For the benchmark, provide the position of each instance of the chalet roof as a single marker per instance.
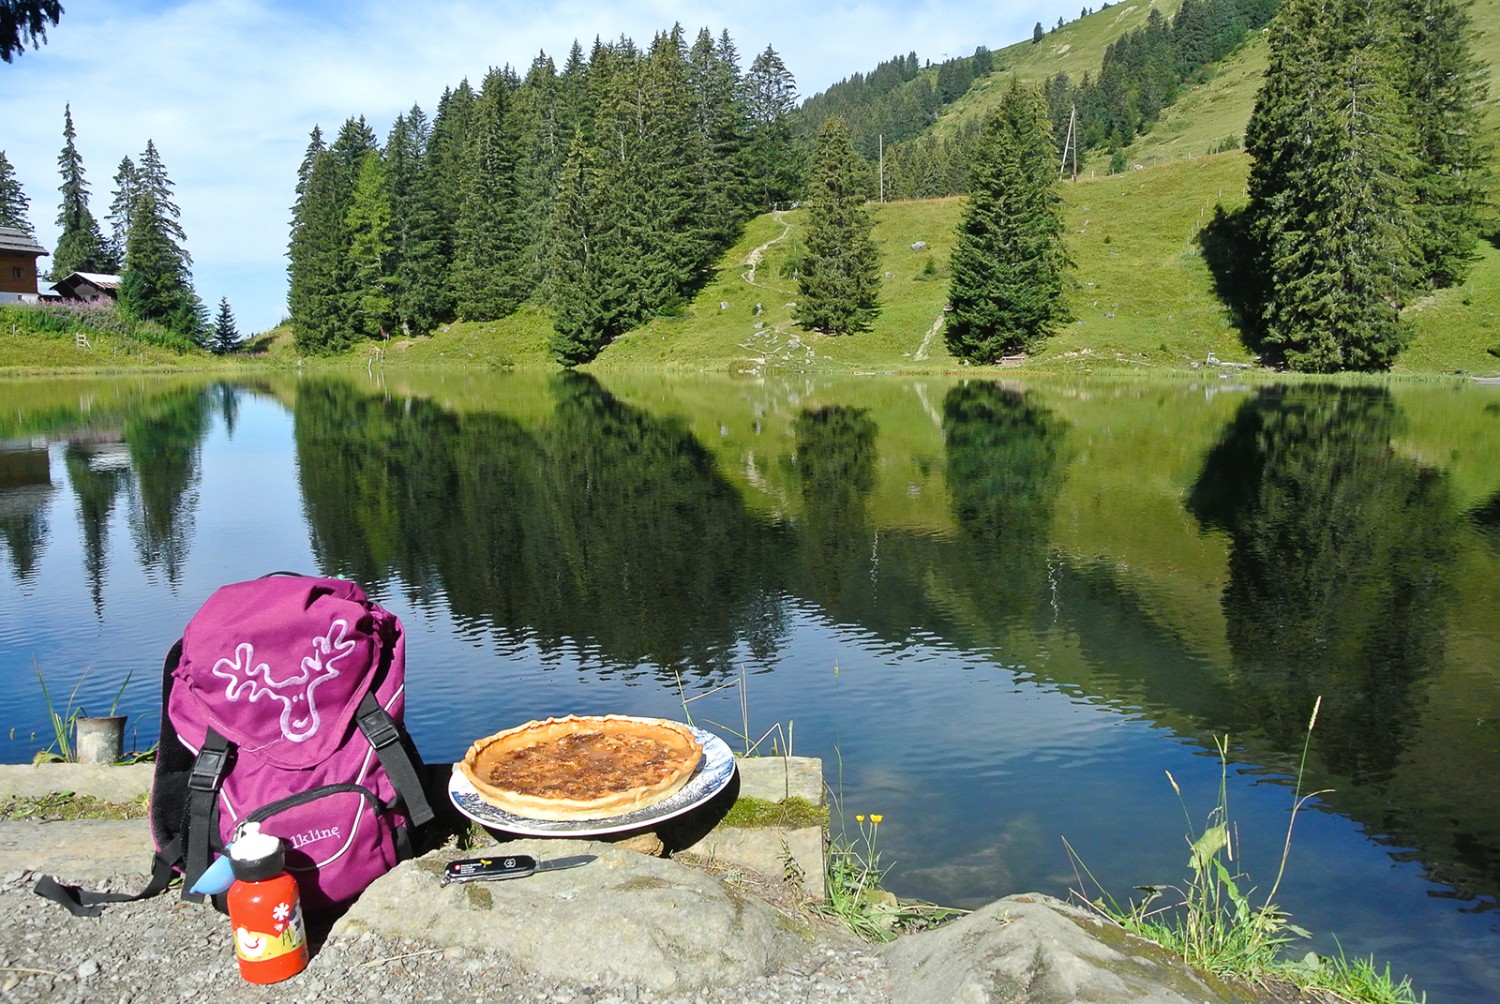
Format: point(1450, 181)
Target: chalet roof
point(13, 239)
point(101, 279)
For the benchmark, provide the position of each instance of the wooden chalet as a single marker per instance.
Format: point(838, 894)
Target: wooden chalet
point(18, 255)
point(90, 287)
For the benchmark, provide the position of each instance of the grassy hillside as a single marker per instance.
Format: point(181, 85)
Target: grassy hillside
point(1202, 117)
point(1142, 295)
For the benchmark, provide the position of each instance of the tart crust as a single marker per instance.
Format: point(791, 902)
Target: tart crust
point(582, 767)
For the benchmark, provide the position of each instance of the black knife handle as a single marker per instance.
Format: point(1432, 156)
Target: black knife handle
point(500, 866)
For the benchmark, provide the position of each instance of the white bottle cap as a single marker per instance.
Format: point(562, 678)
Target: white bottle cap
point(252, 845)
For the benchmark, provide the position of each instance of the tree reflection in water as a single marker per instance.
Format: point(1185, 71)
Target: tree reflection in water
point(1341, 551)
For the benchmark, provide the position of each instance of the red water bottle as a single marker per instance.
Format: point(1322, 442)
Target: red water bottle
point(265, 909)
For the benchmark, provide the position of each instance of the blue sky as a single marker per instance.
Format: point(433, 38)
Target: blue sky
point(230, 89)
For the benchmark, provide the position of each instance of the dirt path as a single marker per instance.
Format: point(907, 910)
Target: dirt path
point(937, 326)
point(754, 257)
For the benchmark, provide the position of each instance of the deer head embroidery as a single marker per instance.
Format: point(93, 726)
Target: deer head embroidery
point(299, 709)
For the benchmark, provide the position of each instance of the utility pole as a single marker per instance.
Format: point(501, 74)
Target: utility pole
point(1070, 145)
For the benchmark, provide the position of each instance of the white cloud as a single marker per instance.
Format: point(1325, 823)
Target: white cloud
point(229, 90)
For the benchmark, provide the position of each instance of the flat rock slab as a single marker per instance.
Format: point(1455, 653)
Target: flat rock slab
point(1043, 951)
point(622, 918)
point(77, 851)
point(774, 778)
point(105, 782)
point(772, 851)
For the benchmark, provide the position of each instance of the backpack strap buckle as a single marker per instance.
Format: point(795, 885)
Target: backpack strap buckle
point(380, 729)
point(208, 769)
point(385, 735)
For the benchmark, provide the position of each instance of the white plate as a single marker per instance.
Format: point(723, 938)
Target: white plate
point(710, 777)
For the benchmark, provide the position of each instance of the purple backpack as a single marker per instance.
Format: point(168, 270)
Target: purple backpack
point(282, 704)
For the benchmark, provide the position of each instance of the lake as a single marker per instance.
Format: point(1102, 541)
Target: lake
point(1006, 614)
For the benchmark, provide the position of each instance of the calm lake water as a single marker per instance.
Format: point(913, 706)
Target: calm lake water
point(1004, 614)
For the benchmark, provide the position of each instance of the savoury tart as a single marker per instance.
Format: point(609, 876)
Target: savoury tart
point(582, 767)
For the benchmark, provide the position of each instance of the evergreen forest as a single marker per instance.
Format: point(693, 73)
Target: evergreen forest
point(604, 189)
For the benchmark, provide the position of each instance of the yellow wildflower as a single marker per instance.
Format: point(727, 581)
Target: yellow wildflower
point(876, 817)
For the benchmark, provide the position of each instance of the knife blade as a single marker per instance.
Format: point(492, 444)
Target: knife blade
point(507, 866)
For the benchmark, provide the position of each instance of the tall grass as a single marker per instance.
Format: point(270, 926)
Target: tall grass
point(65, 719)
point(1215, 921)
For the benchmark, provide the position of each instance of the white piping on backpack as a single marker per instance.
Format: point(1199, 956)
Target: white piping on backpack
point(242, 671)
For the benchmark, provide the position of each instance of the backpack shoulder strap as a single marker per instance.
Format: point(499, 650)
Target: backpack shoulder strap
point(399, 761)
point(201, 823)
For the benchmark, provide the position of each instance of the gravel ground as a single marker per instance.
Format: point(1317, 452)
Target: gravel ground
point(163, 949)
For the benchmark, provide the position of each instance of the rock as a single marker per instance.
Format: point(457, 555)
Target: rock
point(1043, 951)
point(775, 778)
point(649, 844)
point(772, 852)
point(103, 781)
point(625, 917)
point(919, 246)
point(83, 850)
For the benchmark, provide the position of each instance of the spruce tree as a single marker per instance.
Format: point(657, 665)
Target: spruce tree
point(718, 140)
point(1331, 201)
point(156, 281)
point(322, 294)
point(25, 20)
point(122, 208)
point(305, 251)
point(15, 207)
point(669, 226)
point(419, 282)
point(80, 246)
point(1445, 88)
point(770, 149)
point(1009, 259)
point(542, 130)
point(151, 178)
point(156, 284)
point(371, 308)
point(487, 276)
point(442, 188)
point(839, 282)
point(226, 337)
point(590, 302)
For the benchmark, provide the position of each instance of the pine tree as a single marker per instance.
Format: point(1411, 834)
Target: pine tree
point(151, 178)
point(80, 246)
point(15, 207)
point(226, 337)
point(840, 278)
point(25, 20)
point(590, 301)
point(669, 227)
point(1008, 261)
point(771, 153)
point(441, 190)
point(419, 283)
point(487, 278)
point(371, 308)
point(122, 208)
point(1331, 202)
point(322, 295)
point(156, 285)
point(1445, 87)
point(156, 281)
point(306, 252)
point(718, 138)
point(542, 130)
